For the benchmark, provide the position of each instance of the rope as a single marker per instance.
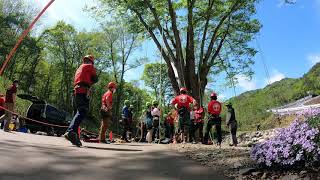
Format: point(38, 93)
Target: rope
point(47, 124)
point(24, 34)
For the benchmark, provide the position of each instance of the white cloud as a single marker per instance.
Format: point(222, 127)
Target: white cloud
point(313, 59)
point(70, 11)
point(275, 76)
point(245, 83)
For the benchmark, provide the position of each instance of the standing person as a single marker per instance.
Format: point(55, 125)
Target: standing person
point(84, 78)
point(10, 104)
point(156, 113)
point(232, 124)
point(169, 124)
point(106, 111)
point(125, 120)
point(192, 125)
point(198, 123)
point(214, 110)
point(2, 112)
point(149, 122)
point(130, 122)
point(182, 103)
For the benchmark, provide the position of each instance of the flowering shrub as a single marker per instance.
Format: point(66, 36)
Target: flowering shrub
point(298, 143)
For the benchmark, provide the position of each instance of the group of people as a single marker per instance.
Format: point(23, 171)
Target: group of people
point(180, 124)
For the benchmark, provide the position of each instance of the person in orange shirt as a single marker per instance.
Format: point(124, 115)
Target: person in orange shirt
point(214, 110)
point(106, 111)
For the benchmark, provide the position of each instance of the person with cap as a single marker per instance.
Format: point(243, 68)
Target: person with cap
point(232, 124)
point(148, 122)
point(125, 120)
point(214, 110)
point(84, 78)
point(106, 111)
point(156, 113)
point(10, 104)
point(182, 103)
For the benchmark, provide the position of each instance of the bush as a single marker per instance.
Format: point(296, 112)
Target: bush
point(295, 145)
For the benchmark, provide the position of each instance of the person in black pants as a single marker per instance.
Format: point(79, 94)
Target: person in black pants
point(214, 110)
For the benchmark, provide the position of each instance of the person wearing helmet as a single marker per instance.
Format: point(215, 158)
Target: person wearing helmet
point(232, 124)
point(10, 104)
point(182, 103)
point(214, 110)
point(156, 113)
point(106, 111)
point(84, 78)
point(148, 122)
point(125, 120)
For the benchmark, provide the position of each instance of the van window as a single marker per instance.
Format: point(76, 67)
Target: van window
point(36, 111)
point(54, 114)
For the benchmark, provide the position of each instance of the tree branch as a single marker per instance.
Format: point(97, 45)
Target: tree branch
point(214, 37)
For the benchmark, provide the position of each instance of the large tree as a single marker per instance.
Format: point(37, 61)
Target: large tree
point(193, 36)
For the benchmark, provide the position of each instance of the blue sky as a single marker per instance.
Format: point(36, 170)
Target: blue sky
point(289, 39)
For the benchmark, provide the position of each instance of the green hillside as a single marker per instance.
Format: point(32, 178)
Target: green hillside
point(251, 106)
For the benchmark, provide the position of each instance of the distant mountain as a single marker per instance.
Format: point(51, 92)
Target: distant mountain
point(251, 106)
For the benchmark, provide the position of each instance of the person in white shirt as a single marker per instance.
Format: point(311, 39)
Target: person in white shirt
point(156, 113)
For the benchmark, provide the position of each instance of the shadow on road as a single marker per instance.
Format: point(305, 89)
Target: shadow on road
point(111, 149)
point(21, 160)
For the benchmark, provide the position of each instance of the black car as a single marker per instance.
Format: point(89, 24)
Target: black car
point(41, 111)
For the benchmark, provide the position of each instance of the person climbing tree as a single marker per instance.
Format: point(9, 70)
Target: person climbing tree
point(125, 120)
point(182, 103)
point(198, 123)
point(156, 113)
point(10, 104)
point(106, 111)
point(84, 78)
point(214, 110)
point(232, 124)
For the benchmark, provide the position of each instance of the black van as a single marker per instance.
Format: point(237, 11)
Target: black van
point(40, 110)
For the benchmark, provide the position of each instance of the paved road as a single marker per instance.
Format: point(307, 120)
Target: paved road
point(26, 156)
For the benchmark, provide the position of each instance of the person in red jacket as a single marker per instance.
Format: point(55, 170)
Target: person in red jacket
point(10, 104)
point(214, 110)
point(198, 123)
point(182, 103)
point(106, 111)
point(84, 78)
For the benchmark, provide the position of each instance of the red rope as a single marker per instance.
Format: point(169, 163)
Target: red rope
point(24, 34)
point(48, 124)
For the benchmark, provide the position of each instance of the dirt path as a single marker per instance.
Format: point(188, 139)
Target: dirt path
point(26, 156)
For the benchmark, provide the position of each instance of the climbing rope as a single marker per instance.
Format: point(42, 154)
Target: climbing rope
point(23, 35)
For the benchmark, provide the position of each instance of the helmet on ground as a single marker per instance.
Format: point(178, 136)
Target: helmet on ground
point(213, 94)
point(183, 90)
point(127, 102)
point(112, 85)
point(155, 102)
point(88, 57)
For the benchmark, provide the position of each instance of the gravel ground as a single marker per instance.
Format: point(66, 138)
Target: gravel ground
point(236, 163)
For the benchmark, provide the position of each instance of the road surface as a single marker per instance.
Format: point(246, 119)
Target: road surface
point(35, 157)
